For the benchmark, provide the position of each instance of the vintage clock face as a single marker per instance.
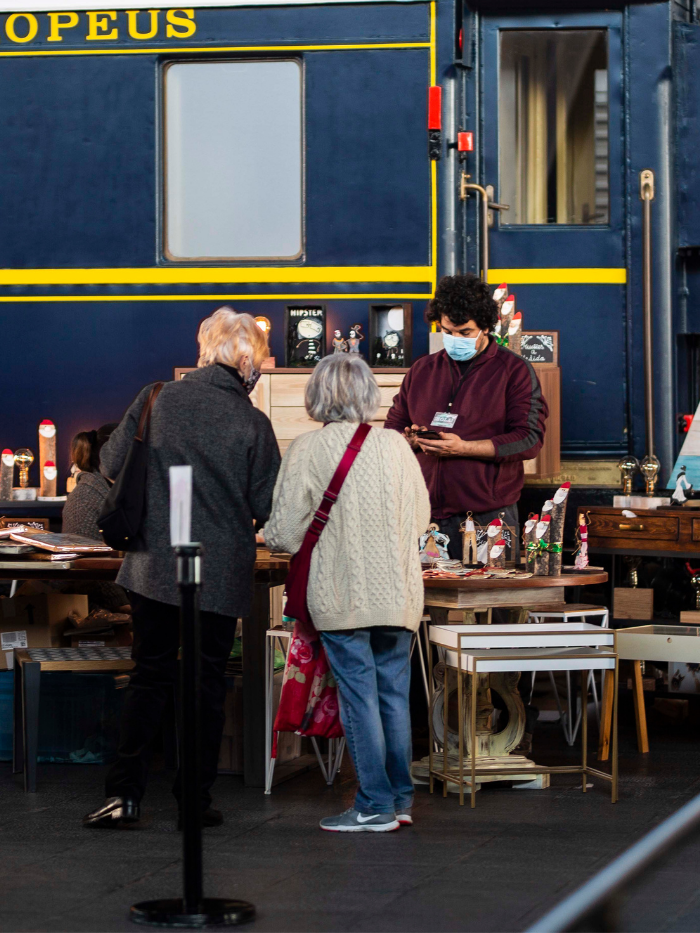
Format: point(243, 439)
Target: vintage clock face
point(391, 340)
point(308, 329)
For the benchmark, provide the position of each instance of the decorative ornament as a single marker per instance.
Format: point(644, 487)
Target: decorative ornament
point(7, 469)
point(47, 454)
point(340, 344)
point(433, 545)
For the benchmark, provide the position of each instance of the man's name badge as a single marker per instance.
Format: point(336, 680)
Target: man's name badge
point(443, 419)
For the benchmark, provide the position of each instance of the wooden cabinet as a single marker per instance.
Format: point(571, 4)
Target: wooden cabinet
point(280, 394)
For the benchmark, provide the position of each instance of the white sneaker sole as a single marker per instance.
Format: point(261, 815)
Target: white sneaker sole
point(366, 828)
point(405, 820)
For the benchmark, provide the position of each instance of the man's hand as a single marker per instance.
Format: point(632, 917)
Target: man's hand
point(450, 445)
point(410, 435)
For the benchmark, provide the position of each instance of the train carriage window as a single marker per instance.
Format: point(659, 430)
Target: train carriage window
point(233, 160)
point(553, 126)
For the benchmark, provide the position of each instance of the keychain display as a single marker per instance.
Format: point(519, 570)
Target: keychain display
point(432, 546)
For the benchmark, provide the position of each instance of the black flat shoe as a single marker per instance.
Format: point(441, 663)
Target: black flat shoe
point(210, 817)
point(116, 811)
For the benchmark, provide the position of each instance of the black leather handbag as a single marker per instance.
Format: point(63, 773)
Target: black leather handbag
point(125, 506)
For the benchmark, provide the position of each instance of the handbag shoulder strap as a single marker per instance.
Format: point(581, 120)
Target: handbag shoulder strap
point(322, 514)
point(145, 419)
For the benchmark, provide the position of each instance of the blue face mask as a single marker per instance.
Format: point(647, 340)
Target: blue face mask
point(459, 348)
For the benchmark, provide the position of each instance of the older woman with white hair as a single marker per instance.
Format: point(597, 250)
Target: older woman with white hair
point(365, 591)
point(205, 420)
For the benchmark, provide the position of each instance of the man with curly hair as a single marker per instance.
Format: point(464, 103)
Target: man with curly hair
point(483, 400)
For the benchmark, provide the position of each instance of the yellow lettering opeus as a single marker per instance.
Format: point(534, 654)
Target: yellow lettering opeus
point(32, 27)
point(132, 17)
point(186, 20)
point(58, 22)
point(98, 24)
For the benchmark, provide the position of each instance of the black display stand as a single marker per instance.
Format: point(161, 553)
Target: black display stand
point(192, 909)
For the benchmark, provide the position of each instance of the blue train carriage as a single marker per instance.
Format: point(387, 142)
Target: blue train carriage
point(157, 163)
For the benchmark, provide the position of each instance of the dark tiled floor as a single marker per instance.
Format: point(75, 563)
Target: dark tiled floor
point(496, 868)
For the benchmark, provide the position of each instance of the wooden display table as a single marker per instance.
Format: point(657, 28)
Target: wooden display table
point(270, 571)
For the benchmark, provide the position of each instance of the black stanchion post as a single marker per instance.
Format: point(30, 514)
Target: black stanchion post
point(193, 909)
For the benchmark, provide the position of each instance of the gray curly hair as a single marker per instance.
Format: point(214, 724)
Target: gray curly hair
point(342, 388)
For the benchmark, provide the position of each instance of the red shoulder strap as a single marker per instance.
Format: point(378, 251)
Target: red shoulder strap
point(318, 522)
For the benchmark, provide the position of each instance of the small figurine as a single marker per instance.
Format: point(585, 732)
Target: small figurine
point(679, 497)
point(47, 455)
point(433, 545)
point(340, 344)
point(7, 469)
point(355, 335)
point(581, 561)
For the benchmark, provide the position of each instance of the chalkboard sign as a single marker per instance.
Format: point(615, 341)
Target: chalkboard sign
point(540, 346)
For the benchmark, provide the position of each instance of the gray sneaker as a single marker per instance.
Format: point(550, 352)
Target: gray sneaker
point(404, 816)
point(352, 821)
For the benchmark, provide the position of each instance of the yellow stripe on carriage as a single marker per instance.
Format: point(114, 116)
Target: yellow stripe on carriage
point(197, 275)
point(569, 276)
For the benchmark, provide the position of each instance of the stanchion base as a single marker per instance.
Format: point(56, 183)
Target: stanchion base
point(169, 912)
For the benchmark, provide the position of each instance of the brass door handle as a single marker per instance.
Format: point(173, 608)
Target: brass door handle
point(626, 526)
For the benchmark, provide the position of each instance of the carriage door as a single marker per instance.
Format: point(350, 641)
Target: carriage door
point(552, 147)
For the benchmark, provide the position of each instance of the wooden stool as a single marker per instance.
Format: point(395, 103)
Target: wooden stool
point(28, 666)
point(474, 650)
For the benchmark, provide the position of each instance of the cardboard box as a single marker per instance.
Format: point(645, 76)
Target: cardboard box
point(633, 603)
point(289, 745)
point(35, 622)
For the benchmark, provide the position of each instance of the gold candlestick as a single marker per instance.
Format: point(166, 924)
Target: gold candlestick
point(628, 466)
point(24, 459)
point(649, 468)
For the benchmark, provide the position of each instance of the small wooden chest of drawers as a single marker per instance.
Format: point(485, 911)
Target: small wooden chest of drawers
point(651, 530)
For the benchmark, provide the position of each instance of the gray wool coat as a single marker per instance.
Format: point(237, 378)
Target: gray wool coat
point(205, 420)
point(84, 505)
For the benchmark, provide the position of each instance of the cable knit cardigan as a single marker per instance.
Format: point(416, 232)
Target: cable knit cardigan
point(365, 569)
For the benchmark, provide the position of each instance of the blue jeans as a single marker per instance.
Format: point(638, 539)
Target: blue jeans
point(373, 671)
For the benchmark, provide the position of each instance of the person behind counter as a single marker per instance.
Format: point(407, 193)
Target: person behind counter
point(365, 591)
point(207, 421)
point(486, 404)
point(83, 506)
point(86, 501)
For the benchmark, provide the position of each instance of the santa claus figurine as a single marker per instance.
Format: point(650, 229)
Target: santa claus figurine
point(7, 468)
point(47, 458)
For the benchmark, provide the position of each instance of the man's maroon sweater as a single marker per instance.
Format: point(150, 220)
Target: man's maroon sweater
point(500, 400)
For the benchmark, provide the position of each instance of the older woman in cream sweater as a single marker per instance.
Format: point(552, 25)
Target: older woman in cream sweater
point(365, 590)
